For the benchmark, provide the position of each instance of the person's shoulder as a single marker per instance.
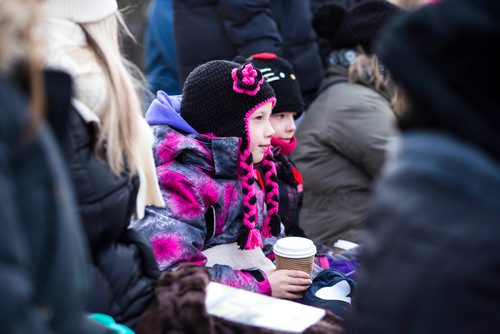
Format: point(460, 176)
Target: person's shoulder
point(360, 98)
point(344, 92)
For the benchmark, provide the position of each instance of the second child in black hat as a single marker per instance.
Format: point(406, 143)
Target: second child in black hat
point(217, 215)
point(280, 75)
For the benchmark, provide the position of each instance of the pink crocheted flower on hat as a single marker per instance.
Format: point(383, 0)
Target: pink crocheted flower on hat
point(246, 79)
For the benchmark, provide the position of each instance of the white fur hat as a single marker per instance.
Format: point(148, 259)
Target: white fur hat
point(80, 11)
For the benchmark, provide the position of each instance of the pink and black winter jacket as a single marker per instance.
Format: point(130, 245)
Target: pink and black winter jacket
point(204, 206)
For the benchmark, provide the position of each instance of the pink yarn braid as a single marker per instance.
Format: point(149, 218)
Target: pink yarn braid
point(272, 191)
point(246, 155)
point(250, 213)
point(247, 179)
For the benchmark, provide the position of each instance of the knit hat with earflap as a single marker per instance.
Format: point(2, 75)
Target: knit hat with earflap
point(218, 98)
point(356, 26)
point(279, 73)
point(80, 11)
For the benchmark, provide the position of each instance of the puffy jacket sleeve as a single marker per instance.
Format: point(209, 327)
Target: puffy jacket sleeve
point(250, 26)
point(363, 133)
point(178, 232)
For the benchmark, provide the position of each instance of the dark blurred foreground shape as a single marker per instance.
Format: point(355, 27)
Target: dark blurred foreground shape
point(432, 254)
point(43, 256)
point(43, 272)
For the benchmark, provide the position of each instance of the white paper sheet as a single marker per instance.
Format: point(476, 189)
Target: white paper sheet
point(257, 310)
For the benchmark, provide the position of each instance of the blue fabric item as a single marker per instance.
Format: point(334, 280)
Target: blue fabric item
point(326, 292)
point(165, 110)
point(348, 268)
point(161, 61)
point(109, 322)
point(347, 262)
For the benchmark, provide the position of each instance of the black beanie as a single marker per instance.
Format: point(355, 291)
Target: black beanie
point(218, 95)
point(280, 75)
point(357, 26)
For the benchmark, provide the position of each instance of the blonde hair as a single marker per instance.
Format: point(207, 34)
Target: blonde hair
point(119, 133)
point(366, 69)
point(18, 45)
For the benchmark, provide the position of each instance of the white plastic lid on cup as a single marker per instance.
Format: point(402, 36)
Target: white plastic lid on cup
point(344, 244)
point(294, 247)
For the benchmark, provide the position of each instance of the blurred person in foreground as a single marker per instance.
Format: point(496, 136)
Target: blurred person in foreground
point(432, 257)
point(350, 126)
point(43, 258)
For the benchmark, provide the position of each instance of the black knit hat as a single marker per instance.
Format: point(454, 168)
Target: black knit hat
point(279, 73)
point(357, 26)
point(217, 96)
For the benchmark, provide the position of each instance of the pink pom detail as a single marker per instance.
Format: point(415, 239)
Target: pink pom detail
point(248, 76)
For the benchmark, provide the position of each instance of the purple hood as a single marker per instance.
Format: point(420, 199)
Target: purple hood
point(165, 110)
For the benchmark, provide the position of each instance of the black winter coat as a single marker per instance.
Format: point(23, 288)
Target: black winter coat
point(43, 258)
point(206, 30)
point(124, 267)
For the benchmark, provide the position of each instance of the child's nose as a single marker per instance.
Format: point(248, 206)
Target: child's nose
point(270, 131)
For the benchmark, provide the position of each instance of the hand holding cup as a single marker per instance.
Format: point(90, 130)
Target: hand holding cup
point(294, 263)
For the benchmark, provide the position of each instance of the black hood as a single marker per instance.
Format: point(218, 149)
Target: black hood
point(447, 58)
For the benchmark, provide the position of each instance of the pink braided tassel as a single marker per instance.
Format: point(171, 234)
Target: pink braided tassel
point(254, 239)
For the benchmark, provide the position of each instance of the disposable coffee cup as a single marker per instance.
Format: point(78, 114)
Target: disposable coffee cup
point(342, 245)
point(295, 253)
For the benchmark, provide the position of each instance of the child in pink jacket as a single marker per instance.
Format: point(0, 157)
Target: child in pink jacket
point(216, 211)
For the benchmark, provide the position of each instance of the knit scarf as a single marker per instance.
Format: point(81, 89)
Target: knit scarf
point(286, 148)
